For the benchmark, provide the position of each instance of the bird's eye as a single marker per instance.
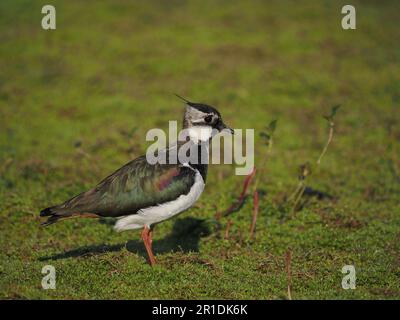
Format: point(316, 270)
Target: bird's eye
point(208, 118)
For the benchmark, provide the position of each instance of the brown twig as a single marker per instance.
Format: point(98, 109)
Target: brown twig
point(255, 214)
point(236, 206)
point(240, 235)
point(241, 198)
point(228, 226)
point(289, 273)
point(259, 178)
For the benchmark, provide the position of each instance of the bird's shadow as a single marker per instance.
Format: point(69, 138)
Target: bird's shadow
point(184, 237)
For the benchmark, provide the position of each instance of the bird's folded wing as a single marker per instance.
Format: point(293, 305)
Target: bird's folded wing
point(136, 185)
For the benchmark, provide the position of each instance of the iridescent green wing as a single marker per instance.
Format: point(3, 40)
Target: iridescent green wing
point(136, 185)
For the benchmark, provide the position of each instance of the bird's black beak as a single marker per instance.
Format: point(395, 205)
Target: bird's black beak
point(222, 126)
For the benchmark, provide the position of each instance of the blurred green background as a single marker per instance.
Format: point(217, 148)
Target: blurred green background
point(76, 103)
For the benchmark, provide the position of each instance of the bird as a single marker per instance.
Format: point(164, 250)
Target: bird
point(141, 194)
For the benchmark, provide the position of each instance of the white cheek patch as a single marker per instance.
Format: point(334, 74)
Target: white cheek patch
point(200, 133)
point(198, 121)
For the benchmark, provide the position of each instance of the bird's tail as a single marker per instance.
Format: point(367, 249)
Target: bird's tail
point(54, 214)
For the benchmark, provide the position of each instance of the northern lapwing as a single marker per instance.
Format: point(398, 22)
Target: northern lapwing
point(141, 194)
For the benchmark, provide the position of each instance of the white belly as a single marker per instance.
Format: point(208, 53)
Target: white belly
point(151, 215)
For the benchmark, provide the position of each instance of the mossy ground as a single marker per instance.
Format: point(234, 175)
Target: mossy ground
point(76, 103)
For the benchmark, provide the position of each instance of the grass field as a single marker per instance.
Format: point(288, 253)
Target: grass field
point(76, 103)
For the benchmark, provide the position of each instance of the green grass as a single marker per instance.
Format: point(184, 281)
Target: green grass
point(75, 104)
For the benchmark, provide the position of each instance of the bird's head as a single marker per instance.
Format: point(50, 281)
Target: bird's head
point(200, 119)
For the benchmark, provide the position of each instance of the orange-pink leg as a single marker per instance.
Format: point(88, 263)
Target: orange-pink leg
point(147, 240)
